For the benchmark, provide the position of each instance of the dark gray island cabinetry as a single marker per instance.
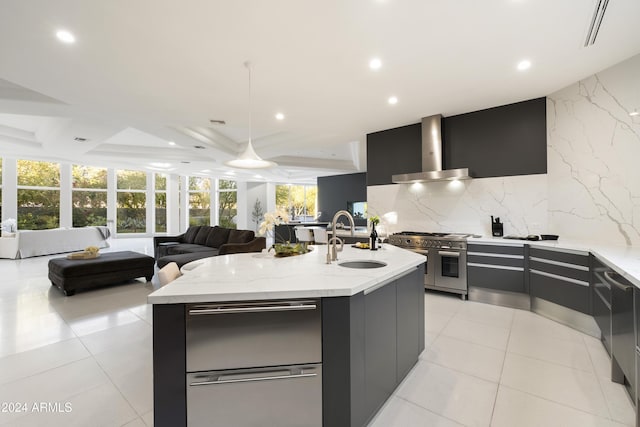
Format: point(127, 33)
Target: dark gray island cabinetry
point(307, 358)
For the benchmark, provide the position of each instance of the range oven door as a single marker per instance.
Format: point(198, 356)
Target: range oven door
point(429, 266)
point(451, 269)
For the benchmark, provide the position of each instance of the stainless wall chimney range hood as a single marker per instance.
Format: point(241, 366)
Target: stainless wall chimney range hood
point(431, 157)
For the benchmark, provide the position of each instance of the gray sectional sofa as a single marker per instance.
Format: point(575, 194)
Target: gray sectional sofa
point(203, 241)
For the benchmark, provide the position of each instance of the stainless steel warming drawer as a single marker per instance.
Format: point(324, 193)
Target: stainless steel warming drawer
point(246, 335)
point(279, 396)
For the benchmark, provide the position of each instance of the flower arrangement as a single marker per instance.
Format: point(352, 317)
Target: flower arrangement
point(281, 246)
point(375, 220)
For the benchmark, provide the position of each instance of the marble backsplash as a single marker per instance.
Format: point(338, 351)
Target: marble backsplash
point(591, 189)
point(593, 156)
point(463, 206)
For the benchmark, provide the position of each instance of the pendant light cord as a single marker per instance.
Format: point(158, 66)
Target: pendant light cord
point(248, 65)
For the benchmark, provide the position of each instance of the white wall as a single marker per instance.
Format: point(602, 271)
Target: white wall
point(591, 189)
point(255, 191)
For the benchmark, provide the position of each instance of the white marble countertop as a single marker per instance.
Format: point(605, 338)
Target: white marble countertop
point(625, 260)
point(261, 276)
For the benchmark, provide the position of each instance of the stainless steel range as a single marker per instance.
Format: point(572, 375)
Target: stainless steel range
point(446, 268)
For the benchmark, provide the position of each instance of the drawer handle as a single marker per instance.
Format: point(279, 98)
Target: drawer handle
point(555, 276)
point(228, 310)
point(247, 380)
point(610, 279)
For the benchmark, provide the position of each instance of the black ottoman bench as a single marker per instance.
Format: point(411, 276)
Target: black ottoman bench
point(70, 275)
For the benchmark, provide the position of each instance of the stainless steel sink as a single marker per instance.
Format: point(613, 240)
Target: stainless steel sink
point(362, 264)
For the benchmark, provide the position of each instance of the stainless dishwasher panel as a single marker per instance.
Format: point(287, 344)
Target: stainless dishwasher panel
point(282, 396)
point(245, 334)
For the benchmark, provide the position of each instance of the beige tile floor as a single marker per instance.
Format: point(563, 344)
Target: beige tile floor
point(483, 366)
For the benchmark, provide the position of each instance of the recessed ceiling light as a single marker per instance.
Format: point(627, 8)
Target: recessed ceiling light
point(524, 65)
point(65, 36)
point(375, 64)
point(280, 116)
point(172, 143)
point(160, 165)
point(634, 113)
point(392, 100)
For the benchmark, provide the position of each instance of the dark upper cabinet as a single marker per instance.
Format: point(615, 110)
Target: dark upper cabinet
point(501, 141)
point(393, 151)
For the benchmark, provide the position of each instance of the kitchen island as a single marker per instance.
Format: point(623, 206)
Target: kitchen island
point(251, 339)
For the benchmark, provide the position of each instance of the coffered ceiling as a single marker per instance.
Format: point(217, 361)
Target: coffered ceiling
point(145, 73)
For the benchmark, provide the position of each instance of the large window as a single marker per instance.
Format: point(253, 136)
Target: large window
point(199, 201)
point(89, 196)
point(131, 201)
point(227, 203)
point(38, 195)
point(297, 200)
point(161, 203)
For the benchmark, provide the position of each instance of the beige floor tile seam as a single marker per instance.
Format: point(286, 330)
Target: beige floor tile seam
point(591, 414)
point(428, 410)
point(504, 360)
point(46, 370)
point(119, 391)
point(600, 380)
point(592, 372)
point(458, 371)
point(471, 342)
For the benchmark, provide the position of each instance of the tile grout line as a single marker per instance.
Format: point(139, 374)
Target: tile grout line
point(495, 399)
point(427, 409)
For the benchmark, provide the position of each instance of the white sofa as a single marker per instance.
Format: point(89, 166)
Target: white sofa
point(31, 243)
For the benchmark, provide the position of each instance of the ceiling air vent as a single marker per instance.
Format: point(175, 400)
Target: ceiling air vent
point(199, 147)
point(80, 139)
point(217, 122)
point(596, 21)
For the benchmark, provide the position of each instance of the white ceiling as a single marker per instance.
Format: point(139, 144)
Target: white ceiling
point(146, 72)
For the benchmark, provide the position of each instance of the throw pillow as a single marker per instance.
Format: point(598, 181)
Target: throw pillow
point(191, 233)
point(241, 236)
point(217, 237)
point(201, 237)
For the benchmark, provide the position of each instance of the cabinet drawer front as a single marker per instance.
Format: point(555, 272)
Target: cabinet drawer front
point(506, 260)
point(565, 257)
point(496, 249)
point(492, 277)
point(244, 335)
point(560, 270)
point(558, 291)
point(282, 396)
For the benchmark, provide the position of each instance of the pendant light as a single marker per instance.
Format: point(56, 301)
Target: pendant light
point(248, 159)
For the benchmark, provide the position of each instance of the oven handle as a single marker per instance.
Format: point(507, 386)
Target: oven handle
point(447, 253)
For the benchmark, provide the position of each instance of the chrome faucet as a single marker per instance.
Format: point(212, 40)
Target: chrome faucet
point(332, 251)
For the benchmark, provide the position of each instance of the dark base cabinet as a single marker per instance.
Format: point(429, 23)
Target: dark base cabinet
point(364, 362)
point(623, 334)
point(560, 277)
point(601, 302)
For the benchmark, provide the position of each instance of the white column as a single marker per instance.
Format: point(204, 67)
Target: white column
point(184, 204)
point(9, 189)
point(112, 200)
point(173, 205)
point(66, 184)
point(241, 206)
point(151, 203)
point(215, 202)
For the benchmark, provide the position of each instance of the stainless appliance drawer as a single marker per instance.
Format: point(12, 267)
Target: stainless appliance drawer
point(280, 396)
point(245, 334)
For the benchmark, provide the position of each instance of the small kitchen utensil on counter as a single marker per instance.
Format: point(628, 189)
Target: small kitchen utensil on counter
point(496, 227)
